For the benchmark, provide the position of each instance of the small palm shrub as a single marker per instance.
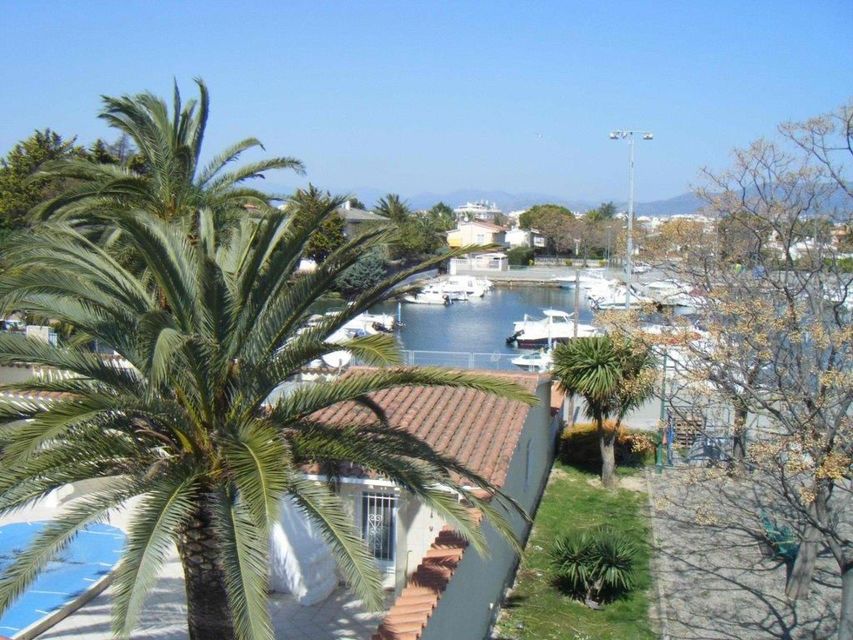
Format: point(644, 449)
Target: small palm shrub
point(595, 565)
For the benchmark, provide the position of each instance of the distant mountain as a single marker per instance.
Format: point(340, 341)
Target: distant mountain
point(507, 201)
point(684, 203)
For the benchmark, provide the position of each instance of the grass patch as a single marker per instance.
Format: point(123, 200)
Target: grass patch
point(537, 610)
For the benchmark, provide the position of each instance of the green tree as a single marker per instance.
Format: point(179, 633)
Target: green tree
point(392, 207)
point(416, 235)
point(613, 376)
point(556, 224)
point(534, 217)
point(329, 235)
point(174, 182)
point(19, 190)
point(442, 217)
point(369, 271)
point(211, 328)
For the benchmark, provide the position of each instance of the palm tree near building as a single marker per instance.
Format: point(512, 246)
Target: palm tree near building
point(211, 327)
point(613, 376)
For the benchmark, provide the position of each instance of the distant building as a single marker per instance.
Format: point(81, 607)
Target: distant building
point(481, 210)
point(354, 218)
point(519, 237)
point(476, 233)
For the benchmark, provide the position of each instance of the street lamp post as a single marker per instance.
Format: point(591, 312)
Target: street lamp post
point(629, 135)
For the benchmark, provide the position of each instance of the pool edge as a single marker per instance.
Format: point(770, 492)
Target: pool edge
point(50, 620)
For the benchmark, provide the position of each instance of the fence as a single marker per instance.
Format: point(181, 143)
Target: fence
point(454, 359)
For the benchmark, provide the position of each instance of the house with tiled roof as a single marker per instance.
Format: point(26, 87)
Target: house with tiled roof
point(476, 232)
point(442, 588)
point(445, 589)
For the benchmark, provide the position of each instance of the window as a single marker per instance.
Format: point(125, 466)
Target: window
point(378, 523)
point(481, 238)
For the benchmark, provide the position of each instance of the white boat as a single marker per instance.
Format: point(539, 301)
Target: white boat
point(535, 361)
point(614, 298)
point(587, 279)
point(429, 295)
point(469, 285)
point(556, 326)
point(671, 293)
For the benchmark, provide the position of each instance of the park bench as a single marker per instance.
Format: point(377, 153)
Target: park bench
point(780, 539)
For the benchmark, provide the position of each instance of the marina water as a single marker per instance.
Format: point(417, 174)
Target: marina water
point(474, 333)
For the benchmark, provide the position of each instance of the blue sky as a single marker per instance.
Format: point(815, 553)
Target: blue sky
point(438, 96)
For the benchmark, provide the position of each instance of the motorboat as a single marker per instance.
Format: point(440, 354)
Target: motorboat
point(671, 293)
point(556, 326)
point(615, 298)
point(473, 287)
point(429, 295)
point(534, 361)
point(586, 280)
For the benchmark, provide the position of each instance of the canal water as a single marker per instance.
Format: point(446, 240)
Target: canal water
point(474, 333)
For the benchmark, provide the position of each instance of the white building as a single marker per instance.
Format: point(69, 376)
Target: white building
point(480, 210)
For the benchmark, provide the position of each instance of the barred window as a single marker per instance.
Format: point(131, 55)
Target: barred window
point(378, 526)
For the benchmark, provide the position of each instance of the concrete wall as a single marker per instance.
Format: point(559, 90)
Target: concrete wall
point(465, 610)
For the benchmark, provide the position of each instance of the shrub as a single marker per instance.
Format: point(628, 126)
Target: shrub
point(596, 565)
point(579, 447)
point(520, 256)
point(364, 274)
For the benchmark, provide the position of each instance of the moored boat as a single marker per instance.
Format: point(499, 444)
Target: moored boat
point(556, 326)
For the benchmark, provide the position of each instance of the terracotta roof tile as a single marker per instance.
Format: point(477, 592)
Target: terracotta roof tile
point(479, 430)
point(409, 615)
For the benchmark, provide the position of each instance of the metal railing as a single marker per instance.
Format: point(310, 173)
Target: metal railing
point(455, 359)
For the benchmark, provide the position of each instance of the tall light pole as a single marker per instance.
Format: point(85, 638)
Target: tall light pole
point(621, 135)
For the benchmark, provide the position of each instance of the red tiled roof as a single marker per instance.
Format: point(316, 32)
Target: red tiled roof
point(480, 430)
point(411, 611)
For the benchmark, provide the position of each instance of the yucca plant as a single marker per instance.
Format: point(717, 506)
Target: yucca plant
point(613, 376)
point(211, 323)
point(573, 562)
point(596, 565)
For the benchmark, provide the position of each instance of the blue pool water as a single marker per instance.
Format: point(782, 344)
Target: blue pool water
point(89, 557)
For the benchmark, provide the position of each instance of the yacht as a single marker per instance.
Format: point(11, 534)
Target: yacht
point(430, 294)
point(614, 298)
point(535, 361)
point(556, 326)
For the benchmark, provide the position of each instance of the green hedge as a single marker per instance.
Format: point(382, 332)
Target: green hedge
point(579, 447)
point(520, 256)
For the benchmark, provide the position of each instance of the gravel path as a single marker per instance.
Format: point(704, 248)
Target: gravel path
point(714, 580)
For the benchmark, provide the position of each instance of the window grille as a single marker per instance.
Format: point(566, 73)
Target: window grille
point(378, 524)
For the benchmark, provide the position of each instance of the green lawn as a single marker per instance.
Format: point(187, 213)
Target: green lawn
point(537, 610)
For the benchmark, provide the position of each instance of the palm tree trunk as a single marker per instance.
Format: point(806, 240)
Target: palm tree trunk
point(608, 457)
point(208, 614)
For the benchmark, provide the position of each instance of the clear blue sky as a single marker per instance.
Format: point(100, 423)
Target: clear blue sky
point(437, 96)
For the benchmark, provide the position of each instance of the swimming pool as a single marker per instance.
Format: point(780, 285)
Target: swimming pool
point(89, 558)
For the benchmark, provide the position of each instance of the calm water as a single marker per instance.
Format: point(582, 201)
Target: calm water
point(480, 325)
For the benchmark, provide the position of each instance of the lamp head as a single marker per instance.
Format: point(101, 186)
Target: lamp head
point(615, 135)
point(648, 136)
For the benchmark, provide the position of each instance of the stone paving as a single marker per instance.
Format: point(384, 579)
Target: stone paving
point(714, 580)
point(339, 617)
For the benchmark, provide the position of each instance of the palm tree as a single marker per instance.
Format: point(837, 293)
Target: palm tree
point(211, 326)
point(174, 182)
point(393, 208)
point(613, 376)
